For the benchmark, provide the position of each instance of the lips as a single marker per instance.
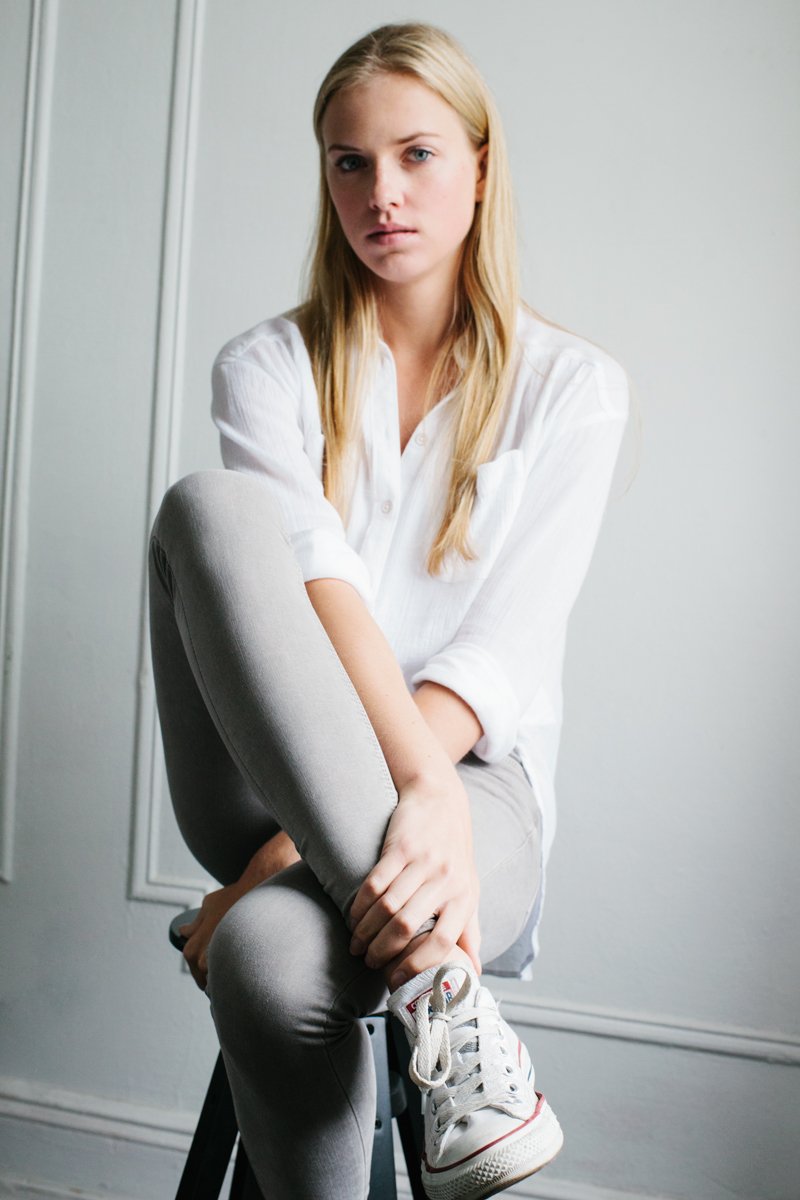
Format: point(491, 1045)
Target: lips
point(384, 230)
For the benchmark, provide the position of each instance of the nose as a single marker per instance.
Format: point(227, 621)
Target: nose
point(385, 187)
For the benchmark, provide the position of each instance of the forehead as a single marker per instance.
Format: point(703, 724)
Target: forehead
point(386, 108)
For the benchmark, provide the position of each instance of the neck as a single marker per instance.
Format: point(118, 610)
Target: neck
point(415, 317)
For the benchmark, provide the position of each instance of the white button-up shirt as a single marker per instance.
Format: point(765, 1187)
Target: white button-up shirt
point(492, 630)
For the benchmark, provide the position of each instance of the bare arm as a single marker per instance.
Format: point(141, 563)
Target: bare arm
point(427, 863)
point(273, 856)
point(449, 718)
point(419, 734)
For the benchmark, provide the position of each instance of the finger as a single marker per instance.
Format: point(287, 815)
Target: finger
point(198, 976)
point(433, 949)
point(403, 927)
point(191, 962)
point(387, 906)
point(188, 929)
point(382, 875)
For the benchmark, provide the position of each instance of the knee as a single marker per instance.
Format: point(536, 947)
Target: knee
point(266, 965)
point(201, 495)
point(240, 986)
point(211, 504)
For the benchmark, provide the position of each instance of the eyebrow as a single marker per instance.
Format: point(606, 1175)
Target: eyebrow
point(400, 141)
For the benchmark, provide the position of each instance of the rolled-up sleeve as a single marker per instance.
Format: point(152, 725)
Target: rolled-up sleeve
point(256, 408)
point(499, 655)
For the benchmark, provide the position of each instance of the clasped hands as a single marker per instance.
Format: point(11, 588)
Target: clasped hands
point(426, 868)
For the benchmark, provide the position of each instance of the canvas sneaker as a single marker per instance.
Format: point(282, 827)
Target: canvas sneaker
point(486, 1127)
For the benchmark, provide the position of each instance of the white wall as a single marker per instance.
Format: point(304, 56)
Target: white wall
point(158, 174)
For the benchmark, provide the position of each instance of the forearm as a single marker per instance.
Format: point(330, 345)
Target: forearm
point(410, 746)
point(273, 856)
point(449, 717)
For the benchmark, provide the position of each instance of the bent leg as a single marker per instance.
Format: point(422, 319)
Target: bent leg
point(243, 667)
point(286, 996)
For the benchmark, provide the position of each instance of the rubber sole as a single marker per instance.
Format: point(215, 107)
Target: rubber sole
point(499, 1167)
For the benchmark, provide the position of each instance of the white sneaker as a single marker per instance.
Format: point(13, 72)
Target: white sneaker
point(485, 1125)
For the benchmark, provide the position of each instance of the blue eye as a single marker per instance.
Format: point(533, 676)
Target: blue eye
point(346, 159)
point(349, 163)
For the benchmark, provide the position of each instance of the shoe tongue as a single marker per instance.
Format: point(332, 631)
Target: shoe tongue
point(403, 1002)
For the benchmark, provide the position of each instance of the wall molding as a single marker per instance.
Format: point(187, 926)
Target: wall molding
point(11, 1189)
point(120, 1130)
point(41, 1104)
point(732, 1041)
point(147, 881)
point(156, 1128)
point(19, 421)
point(538, 1187)
point(19, 1189)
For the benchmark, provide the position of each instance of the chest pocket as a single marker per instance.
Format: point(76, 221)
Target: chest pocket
point(500, 483)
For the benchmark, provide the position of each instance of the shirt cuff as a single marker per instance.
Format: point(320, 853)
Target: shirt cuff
point(323, 555)
point(477, 677)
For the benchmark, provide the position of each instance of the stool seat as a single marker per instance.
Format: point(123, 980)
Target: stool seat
point(397, 1097)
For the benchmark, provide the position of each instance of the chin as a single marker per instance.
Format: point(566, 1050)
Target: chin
point(395, 272)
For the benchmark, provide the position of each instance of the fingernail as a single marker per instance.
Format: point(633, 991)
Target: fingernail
point(356, 947)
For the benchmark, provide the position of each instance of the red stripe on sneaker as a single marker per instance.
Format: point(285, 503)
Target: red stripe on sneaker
point(519, 1052)
point(436, 1170)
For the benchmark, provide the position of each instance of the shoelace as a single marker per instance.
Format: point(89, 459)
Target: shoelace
point(443, 1033)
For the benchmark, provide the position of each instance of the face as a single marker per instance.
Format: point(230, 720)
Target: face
point(399, 158)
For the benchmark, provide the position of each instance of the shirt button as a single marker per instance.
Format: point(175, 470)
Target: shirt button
point(421, 439)
point(386, 506)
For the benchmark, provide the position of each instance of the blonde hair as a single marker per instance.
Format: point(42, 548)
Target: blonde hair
point(339, 316)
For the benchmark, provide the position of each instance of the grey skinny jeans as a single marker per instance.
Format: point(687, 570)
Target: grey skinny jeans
point(263, 730)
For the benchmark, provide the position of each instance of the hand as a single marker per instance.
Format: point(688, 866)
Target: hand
point(426, 867)
point(199, 931)
point(272, 857)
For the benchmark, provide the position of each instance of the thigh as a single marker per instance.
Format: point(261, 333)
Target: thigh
point(221, 817)
point(506, 828)
point(235, 634)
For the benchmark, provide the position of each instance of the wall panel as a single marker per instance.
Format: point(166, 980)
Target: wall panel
point(161, 178)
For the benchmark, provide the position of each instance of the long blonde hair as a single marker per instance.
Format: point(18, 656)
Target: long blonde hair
point(339, 316)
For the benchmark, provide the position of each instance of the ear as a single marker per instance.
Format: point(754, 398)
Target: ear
point(482, 157)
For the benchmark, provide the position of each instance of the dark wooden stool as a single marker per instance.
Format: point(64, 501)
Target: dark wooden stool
point(217, 1131)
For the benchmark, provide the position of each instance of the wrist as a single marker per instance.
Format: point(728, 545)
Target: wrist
point(436, 782)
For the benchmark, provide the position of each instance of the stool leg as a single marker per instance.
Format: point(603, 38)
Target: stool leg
point(381, 1180)
point(409, 1121)
point(210, 1152)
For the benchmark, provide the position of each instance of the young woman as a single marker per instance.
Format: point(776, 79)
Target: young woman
point(358, 633)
